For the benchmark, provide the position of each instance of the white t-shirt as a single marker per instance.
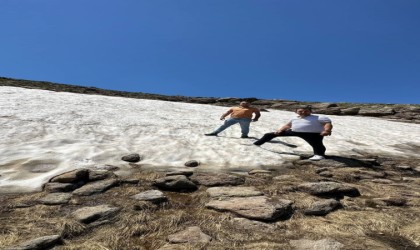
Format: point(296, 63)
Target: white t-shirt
point(309, 124)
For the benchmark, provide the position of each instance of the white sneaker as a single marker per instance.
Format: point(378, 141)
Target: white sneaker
point(317, 158)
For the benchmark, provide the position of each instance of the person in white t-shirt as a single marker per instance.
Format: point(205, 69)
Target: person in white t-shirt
point(311, 128)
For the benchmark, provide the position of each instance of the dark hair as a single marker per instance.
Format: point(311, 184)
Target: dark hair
point(306, 107)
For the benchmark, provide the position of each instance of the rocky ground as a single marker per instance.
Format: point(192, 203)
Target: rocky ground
point(343, 202)
point(338, 203)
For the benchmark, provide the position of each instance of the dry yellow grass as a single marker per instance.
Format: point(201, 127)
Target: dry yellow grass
point(146, 226)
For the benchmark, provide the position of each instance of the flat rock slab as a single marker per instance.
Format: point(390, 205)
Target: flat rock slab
point(256, 208)
point(56, 187)
point(97, 175)
point(186, 172)
point(324, 244)
point(285, 177)
point(329, 189)
point(178, 183)
point(74, 176)
point(217, 179)
point(218, 192)
point(154, 196)
point(56, 199)
point(259, 172)
point(322, 207)
point(252, 225)
point(90, 214)
point(96, 187)
point(41, 243)
point(190, 235)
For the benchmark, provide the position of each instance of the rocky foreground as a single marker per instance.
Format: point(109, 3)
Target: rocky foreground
point(337, 203)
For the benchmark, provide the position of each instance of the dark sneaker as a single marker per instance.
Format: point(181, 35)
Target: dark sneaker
point(211, 134)
point(244, 136)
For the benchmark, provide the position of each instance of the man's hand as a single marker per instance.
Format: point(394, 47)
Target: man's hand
point(326, 133)
point(279, 131)
point(222, 118)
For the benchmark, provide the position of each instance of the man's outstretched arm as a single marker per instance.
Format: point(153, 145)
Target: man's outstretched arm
point(285, 127)
point(226, 114)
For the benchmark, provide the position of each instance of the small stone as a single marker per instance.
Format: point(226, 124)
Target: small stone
point(154, 196)
point(186, 172)
point(178, 183)
point(252, 225)
point(410, 179)
point(96, 187)
point(46, 242)
point(284, 177)
point(192, 164)
point(327, 174)
point(91, 214)
point(404, 167)
point(216, 192)
point(322, 207)
point(56, 187)
point(131, 158)
point(257, 207)
point(394, 201)
point(324, 244)
point(74, 176)
point(97, 175)
point(56, 199)
point(217, 179)
point(329, 189)
point(190, 235)
point(259, 172)
point(382, 181)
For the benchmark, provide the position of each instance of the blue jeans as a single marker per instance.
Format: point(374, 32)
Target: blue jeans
point(243, 122)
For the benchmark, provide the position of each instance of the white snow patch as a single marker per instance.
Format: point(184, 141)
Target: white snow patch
point(45, 133)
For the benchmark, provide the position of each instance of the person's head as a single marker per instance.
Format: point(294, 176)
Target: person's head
point(304, 110)
point(244, 104)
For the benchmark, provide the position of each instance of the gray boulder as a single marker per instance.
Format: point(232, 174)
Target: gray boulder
point(56, 187)
point(96, 187)
point(178, 183)
point(56, 199)
point(154, 196)
point(75, 176)
point(256, 208)
point(329, 189)
point(217, 179)
point(192, 164)
point(322, 207)
point(90, 214)
point(190, 235)
point(131, 158)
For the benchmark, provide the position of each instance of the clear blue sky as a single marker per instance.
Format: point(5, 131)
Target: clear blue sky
point(307, 50)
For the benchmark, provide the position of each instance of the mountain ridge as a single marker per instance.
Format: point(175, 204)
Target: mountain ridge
point(396, 112)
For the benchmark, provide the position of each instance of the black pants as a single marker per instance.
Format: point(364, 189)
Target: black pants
point(314, 139)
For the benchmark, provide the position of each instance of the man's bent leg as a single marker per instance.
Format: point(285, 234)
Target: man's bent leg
point(229, 122)
point(267, 137)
